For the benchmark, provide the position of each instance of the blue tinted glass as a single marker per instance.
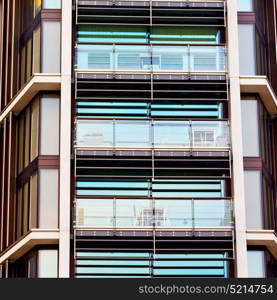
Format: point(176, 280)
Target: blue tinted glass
point(210, 265)
point(143, 109)
point(158, 188)
point(49, 4)
point(245, 5)
point(113, 34)
point(117, 34)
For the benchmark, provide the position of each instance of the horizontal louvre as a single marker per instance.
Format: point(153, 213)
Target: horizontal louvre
point(147, 257)
point(158, 167)
point(168, 88)
point(147, 188)
point(147, 110)
point(142, 13)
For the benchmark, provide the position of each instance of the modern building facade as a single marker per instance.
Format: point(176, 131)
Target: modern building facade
point(138, 138)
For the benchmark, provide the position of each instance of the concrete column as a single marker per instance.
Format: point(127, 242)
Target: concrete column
point(65, 139)
point(241, 268)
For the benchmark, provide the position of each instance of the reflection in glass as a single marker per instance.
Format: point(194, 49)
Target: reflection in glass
point(150, 212)
point(171, 134)
point(133, 134)
point(210, 134)
point(128, 57)
point(212, 213)
point(206, 58)
point(94, 133)
point(133, 213)
point(95, 57)
point(154, 57)
point(173, 213)
point(94, 212)
point(162, 134)
point(174, 58)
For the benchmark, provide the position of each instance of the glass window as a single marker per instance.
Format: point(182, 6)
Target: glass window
point(32, 266)
point(51, 47)
point(26, 194)
point(47, 263)
point(253, 200)
point(29, 63)
point(35, 129)
point(245, 5)
point(49, 4)
point(19, 213)
point(247, 54)
point(48, 198)
point(36, 50)
point(250, 128)
point(21, 146)
point(27, 137)
point(50, 125)
point(33, 201)
point(256, 264)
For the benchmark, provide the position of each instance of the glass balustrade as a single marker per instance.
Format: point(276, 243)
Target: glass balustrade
point(183, 58)
point(154, 212)
point(148, 133)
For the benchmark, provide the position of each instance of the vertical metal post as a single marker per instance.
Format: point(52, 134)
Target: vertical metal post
point(113, 59)
point(189, 62)
point(151, 13)
point(7, 269)
point(114, 213)
point(190, 136)
point(114, 142)
point(152, 83)
point(77, 12)
point(192, 215)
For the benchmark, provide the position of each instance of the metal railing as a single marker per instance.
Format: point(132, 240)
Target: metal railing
point(151, 57)
point(152, 134)
point(153, 212)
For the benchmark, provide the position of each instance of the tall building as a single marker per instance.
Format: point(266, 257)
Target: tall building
point(138, 138)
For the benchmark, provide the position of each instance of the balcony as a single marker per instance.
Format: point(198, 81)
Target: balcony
point(146, 213)
point(151, 58)
point(158, 134)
